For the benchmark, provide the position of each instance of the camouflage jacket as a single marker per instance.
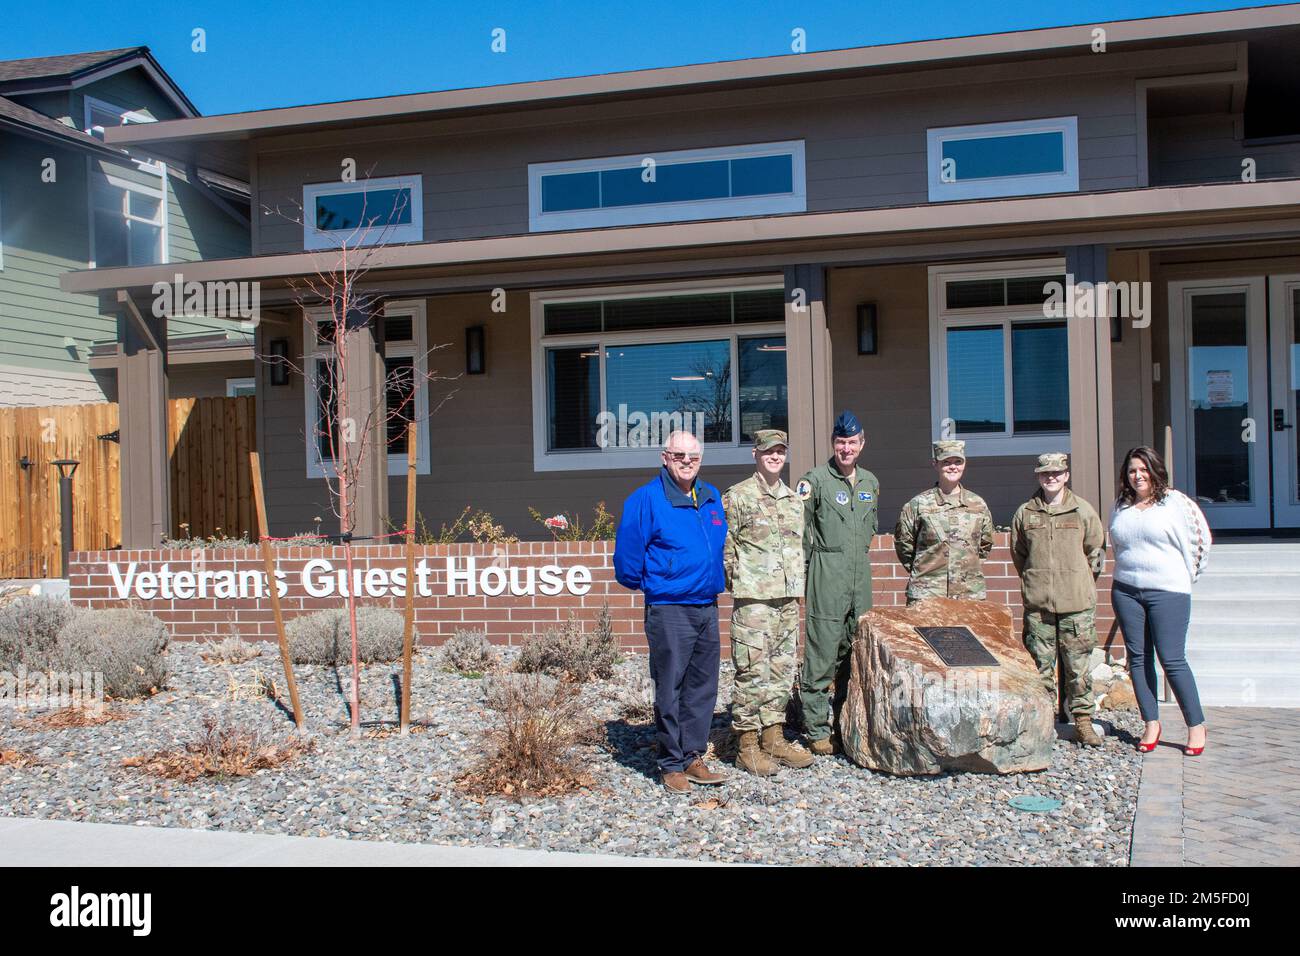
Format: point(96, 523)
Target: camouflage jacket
point(763, 554)
point(1058, 551)
point(941, 542)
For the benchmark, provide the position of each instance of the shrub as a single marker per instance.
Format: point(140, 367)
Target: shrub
point(540, 721)
point(470, 525)
point(222, 749)
point(324, 637)
point(469, 652)
point(563, 528)
point(569, 653)
point(123, 644)
point(635, 696)
point(230, 650)
point(29, 629)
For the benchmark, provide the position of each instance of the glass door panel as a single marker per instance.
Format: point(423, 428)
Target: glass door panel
point(1284, 333)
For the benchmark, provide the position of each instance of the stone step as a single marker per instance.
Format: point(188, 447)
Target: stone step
point(1247, 584)
point(1227, 609)
point(1254, 557)
point(1207, 630)
point(1275, 689)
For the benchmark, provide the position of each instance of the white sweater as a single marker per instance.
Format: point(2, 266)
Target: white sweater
point(1163, 547)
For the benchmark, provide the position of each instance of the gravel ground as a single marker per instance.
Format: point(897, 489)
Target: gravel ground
point(403, 790)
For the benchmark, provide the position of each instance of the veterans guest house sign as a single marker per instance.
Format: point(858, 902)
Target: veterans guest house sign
point(319, 578)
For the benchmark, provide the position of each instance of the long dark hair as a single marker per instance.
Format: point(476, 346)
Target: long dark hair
point(1155, 466)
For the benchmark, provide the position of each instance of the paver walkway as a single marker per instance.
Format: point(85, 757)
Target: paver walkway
point(1237, 804)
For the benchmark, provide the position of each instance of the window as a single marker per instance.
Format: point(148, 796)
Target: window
point(614, 370)
point(999, 367)
point(101, 115)
point(1004, 159)
point(761, 179)
point(129, 208)
point(239, 387)
point(367, 213)
point(406, 386)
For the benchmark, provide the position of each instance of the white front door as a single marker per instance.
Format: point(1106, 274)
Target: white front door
point(1284, 418)
point(1218, 337)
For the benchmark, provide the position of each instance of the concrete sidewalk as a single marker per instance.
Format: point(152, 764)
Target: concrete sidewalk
point(29, 842)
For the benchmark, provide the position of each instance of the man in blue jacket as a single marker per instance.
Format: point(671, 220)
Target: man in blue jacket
point(669, 547)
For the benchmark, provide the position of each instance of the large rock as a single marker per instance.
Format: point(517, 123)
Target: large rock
point(907, 712)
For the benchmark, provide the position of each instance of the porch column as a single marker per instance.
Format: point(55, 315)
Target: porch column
point(364, 356)
point(1092, 420)
point(142, 422)
point(808, 367)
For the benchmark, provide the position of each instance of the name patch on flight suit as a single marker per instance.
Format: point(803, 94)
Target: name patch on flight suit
point(864, 496)
point(842, 497)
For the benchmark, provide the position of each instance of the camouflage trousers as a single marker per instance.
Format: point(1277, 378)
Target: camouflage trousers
point(1071, 637)
point(764, 635)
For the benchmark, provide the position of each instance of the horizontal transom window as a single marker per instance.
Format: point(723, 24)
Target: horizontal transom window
point(675, 186)
point(1003, 159)
point(365, 213)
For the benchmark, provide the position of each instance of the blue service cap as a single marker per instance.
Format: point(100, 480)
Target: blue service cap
point(846, 426)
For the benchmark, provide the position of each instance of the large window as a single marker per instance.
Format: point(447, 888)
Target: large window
point(1003, 159)
point(760, 179)
point(406, 387)
point(101, 115)
point(999, 364)
point(129, 208)
point(365, 213)
point(615, 370)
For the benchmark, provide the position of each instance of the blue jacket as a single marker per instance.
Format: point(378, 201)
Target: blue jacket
point(667, 548)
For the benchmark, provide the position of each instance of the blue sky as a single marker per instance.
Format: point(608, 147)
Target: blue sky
point(270, 53)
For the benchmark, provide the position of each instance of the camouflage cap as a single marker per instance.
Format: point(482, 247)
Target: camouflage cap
point(949, 448)
point(1052, 461)
point(766, 438)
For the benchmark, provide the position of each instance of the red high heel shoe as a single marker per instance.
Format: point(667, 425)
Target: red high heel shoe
point(1147, 748)
point(1194, 751)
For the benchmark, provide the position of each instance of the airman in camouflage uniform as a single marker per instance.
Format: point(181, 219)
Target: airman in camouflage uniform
point(763, 560)
point(944, 533)
point(1058, 546)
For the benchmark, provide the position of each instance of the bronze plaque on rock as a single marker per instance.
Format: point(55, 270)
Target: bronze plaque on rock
point(957, 647)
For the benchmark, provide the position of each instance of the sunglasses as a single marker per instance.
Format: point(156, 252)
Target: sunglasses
point(680, 456)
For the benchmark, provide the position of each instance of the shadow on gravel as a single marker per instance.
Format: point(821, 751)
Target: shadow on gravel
point(633, 745)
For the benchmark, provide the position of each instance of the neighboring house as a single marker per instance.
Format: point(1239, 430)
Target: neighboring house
point(867, 228)
point(69, 200)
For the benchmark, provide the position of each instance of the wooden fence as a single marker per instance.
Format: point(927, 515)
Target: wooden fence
point(208, 440)
point(30, 527)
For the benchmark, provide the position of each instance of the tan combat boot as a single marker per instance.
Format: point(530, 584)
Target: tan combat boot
point(822, 748)
point(792, 755)
point(1084, 734)
point(749, 756)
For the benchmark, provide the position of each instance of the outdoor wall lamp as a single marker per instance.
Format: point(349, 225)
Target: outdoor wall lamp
point(278, 353)
point(868, 340)
point(1116, 329)
point(475, 350)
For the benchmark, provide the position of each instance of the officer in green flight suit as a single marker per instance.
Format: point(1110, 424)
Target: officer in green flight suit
point(840, 502)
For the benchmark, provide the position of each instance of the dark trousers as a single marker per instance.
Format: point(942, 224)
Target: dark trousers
point(685, 651)
point(1157, 621)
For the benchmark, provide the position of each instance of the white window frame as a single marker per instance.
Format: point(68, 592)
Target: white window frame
point(313, 238)
point(160, 192)
point(1024, 185)
point(128, 116)
point(615, 459)
point(234, 384)
point(796, 201)
point(941, 319)
point(313, 350)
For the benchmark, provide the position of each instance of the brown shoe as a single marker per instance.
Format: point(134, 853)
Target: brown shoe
point(782, 751)
point(823, 748)
point(697, 772)
point(1084, 734)
point(676, 782)
point(749, 756)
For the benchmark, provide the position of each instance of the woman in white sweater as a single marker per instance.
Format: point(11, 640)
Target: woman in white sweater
point(1161, 543)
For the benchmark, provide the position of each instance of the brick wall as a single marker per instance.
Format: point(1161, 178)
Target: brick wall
point(508, 619)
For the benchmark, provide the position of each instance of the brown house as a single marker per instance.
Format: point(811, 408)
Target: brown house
point(918, 232)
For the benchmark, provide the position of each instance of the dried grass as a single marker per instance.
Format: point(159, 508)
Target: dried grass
point(634, 693)
point(230, 650)
point(16, 758)
point(221, 750)
point(541, 721)
point(68, 717)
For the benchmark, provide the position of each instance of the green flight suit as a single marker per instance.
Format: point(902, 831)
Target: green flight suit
point(840, 518)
